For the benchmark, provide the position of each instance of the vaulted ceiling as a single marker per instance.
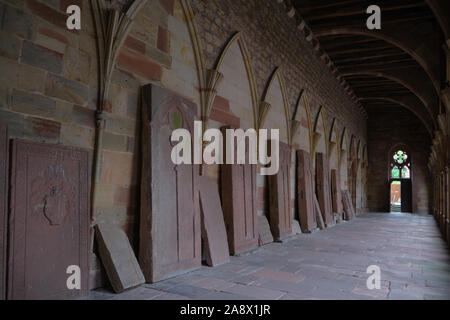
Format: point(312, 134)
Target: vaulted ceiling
point(400, 65)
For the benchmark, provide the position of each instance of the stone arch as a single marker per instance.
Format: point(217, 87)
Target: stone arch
point(238, 86)
point(343, 159)
point(409, 102)
point(415, 81)
point(333, 145)
point(302, 135)
point(402, 37)
point(320, 137)
point(277, 113)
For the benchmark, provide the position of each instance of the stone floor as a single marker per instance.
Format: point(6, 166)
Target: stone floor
point(328, 264)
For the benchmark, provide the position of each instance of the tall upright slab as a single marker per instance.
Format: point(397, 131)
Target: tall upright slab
point(49, 224)
point(170, 231)
point(279, 196)
point(214, 234)
point(238, 191)
point(323, 188)
point(3, 206)
point(336, 192)
point(305, 191)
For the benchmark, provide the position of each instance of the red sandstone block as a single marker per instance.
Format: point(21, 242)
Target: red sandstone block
point(66, 3)
point(135, 44)
point(53, 34)
point(125, 196)
point(221, 103)
point(225, 117)
point(45, 128)
point(139, 64)
point(167, 5)
point(49, 14)
point(163, 40)
point(84, 116)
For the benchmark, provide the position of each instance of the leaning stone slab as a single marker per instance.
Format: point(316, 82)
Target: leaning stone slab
point(213, 225)
point(296, 227)
point(118, 258)
point(318, 214)
point(265, 235)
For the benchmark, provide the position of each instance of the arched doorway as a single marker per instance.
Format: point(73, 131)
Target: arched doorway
point(400, 181)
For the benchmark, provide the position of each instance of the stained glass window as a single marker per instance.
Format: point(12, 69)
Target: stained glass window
point(400, 165)
point(405, 172)
point(395, 172)
point(400, 157)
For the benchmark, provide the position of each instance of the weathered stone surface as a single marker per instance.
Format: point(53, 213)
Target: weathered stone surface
point(238, 191)
point(15, 21)
point(280, 200)
point(53, 182)
point(47, 13)
point(118, 257)
point(214, 234)
point(323, 188)
point(305, 191)
point(41, 57)
point(170, 235)
point(9, 45)
point(265, 235)
point(29, 103)
point(336, 192)
point(4, 157)
point(139, 64)
point(21, 76)
point(42, 129)
point(64, 89)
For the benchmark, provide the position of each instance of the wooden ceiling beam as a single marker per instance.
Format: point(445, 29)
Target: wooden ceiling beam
point(356, 49)
point(375, 55)
point(359, 9)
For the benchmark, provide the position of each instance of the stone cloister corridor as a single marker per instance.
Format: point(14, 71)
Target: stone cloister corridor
point(324, 265)
point(224, 150)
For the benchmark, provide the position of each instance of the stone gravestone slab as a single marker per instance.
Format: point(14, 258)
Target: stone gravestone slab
point(336, 193)
point(348, 210)
point(305, 191)
point(318, 214)
point(4, 157)
point(238, 191)
point(279, 196)
point(170, 231)
point(323, 188)
point(296, 227)
point(265, 235)
point(49, 225)
point(118, 257)
point(213, 225)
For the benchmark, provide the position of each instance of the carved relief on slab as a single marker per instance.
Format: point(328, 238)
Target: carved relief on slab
point(170, 234)
point(49, 225)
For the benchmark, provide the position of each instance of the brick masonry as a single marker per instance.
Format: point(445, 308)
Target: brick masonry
point(48, 88)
